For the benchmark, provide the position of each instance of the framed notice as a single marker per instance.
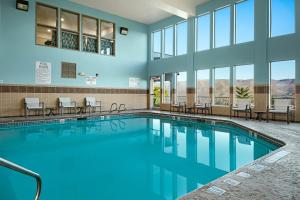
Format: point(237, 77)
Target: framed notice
point(91, 80)
point(134, 82)
point(43, 73)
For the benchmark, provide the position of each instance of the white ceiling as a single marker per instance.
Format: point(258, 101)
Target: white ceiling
point(145, 11)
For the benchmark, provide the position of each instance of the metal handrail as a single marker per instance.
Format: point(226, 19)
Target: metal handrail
point(124, 108)
point(111, 107)
point(22, 170)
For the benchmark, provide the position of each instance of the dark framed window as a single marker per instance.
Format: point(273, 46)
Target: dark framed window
point(46, 25)
point(90, 33)
point(69, 30)
point(107, 38)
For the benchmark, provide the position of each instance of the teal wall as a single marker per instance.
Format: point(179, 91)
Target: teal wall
point(1, 46)
point(20, 52)
point(259, 52)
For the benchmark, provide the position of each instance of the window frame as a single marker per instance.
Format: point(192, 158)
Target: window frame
point(214, 26)
point(164, 41)
point(234, 79)
point(235, 24)
point(91, 36)
point(163, 78)
point(210, 71)
point(197, 31)
point(70, 31)
point(270, 21)
point(176, 36)
point(45, 26)
point(114, 37)
point(152, 44)
point(214, 86)
point(176, 74)
point(270, 79)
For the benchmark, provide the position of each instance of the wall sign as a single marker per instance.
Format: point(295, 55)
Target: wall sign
point(91, 80)
point(134, 82)
point(43, 73)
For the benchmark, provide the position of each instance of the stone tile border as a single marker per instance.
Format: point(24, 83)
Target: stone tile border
point(60, 89)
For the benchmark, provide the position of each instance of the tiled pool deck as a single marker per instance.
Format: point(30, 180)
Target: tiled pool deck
point(274, 176)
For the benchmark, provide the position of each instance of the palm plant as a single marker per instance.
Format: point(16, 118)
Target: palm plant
point(156, 96)
point(242, 92)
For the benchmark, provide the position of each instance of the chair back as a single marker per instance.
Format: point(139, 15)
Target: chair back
point(243, 103)
point(203, 101)
point(32, 103)
point(65, 101)
point(90, 101)
point(282, 104)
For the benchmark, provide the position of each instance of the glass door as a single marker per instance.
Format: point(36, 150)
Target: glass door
point(155, 92)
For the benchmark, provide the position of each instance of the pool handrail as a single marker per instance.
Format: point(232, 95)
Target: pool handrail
point(22, 170)
point(113, 109)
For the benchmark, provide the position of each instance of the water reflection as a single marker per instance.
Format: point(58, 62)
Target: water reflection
point(145, 158)
point(199, 153)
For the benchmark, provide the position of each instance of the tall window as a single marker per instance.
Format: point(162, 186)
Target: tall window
point(243, 82)
point(46, 25)
point(244, 21)
point(222, 27)
point(156, 52)
point(282, 80)
point(167, 88)
point(180, 87)
point(107, 38)
point(169, 41)
point(203, 32)
point(69, 30)
point(282, 19)
point(181, 38)
point(89, 34)
point(202, 85)
point(222, 86)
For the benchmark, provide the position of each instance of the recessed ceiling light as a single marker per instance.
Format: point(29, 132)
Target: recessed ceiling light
point(62, 19)
point(49, 30)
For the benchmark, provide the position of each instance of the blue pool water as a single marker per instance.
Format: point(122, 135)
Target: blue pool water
point(131, 157)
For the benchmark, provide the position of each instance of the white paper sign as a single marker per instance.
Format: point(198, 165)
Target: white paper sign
point(134, 82)
point(43, 73)
point(91, 80)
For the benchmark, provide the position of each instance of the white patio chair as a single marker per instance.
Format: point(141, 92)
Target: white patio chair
point(282, 107)
point(178, 107)
point(92, 104)
point(33, 104)
point(66, 102)
point(241, 105)
point(204, 105)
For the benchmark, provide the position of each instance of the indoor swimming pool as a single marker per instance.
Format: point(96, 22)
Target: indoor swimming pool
point(132, 157)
